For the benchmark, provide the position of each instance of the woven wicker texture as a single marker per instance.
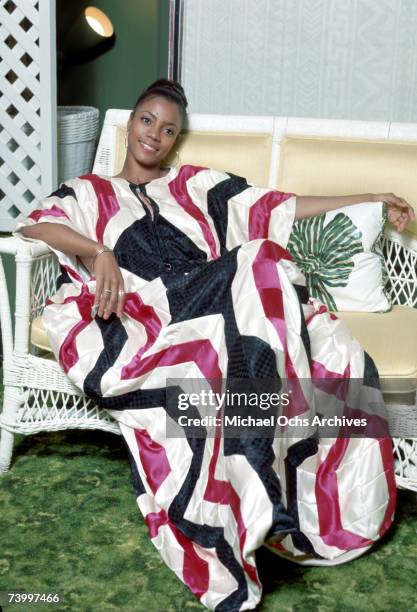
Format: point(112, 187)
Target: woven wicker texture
point(77, 134)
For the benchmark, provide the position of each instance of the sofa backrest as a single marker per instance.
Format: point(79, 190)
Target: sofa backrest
point(243, 146)
point(304, 156)
point(330, 166)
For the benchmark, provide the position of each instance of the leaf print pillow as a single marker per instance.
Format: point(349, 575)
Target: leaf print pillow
point(339, 254)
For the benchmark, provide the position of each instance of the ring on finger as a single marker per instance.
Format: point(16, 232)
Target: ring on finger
point(120, 292)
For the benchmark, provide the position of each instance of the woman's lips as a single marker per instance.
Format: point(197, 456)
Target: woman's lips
point(147, 147)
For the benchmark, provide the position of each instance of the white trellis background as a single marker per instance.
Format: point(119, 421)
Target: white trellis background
point(28, 169)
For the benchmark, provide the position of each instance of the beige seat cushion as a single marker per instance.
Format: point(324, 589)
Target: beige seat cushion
point(38, 335)
point(390, 338)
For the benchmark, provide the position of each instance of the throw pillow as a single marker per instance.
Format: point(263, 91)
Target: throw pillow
point(340, 256)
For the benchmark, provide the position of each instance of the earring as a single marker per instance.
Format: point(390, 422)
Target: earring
point(177, 162)
point(126, 137)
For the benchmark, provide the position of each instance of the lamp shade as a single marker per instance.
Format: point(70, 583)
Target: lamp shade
point(91, 34)
point(99, 22)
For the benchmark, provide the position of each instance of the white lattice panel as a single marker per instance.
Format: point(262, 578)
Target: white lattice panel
point(401, 265)
point(43, 283)
point(27, 106)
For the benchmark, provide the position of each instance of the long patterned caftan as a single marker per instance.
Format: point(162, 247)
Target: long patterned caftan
point(212, 293)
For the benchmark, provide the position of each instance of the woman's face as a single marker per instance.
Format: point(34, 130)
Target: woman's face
point(152, 130)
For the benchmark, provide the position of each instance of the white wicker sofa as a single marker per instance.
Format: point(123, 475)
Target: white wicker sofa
point(306, 156)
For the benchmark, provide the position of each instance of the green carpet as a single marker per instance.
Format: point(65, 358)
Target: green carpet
point(69, 523)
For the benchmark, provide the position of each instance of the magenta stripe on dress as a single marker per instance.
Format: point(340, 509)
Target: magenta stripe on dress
point(261, 210)
point(156, 466)
point(155, 520)
point(68, 354)
point(153, 458)
point(145, 315)
point(178, 189)
point(338, 385)
point(222, 492)
point(200, 352)
point(268, 284)
point(328, 506)
point(331, 382)
point(195, 570)
point(107, 203)
point(54, 211)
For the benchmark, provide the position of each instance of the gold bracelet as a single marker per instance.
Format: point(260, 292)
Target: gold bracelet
point(104, 249)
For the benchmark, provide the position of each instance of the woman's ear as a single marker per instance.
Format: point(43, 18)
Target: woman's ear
point(129, 123)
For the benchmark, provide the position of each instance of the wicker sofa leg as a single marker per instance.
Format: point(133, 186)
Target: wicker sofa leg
point(405, 452)
point(6, 449)
point(12, 401)
point(403, 422)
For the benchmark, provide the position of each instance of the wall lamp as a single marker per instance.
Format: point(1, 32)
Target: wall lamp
point(90, 35)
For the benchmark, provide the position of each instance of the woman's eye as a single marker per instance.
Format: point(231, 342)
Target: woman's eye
point(169, 132)
point(146, 120)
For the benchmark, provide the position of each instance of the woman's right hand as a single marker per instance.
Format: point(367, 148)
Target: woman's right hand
point(399, 211)
point(110, 295)
point(109, 280)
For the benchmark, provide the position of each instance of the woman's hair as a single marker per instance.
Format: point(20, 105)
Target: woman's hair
point(172, 90)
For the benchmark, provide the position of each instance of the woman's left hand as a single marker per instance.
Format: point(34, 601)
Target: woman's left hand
point(399, 211)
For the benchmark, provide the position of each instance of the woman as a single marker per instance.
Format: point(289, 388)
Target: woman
point(182, 274)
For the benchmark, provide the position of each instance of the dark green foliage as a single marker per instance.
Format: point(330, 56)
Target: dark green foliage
point(324, 253)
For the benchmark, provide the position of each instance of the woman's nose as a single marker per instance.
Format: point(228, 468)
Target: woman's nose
point(153, 132)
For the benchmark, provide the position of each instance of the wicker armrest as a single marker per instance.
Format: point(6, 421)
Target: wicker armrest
point(36, 272)
point(13, 245)
point(400, 254)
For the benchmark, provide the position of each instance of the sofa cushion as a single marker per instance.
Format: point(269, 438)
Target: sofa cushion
point(389, 338)
point(339, 166)
point(247, 155)
point(339, 255)
point(38, 335)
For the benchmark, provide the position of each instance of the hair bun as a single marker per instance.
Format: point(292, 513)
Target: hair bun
point(168, 85)
point(169, 89)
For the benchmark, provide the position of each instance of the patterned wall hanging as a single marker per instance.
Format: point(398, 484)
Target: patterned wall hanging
point(335, 59)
